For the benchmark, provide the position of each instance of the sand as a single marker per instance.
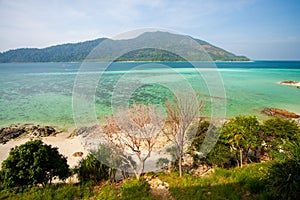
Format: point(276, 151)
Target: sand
point(66, 146)
point(297, 84)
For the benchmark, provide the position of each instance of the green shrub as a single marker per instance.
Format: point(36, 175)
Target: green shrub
point(276, 132)
point(242, 134)
point(33, 163)
point(219, 155)
point(107, 193)
point(135, 189)
point(50, 192)
point(284, 175)
point(90, 169)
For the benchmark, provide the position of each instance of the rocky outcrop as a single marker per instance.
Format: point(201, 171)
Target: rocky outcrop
point(78, 154)
point(202, 170)
point(159, 188)
point(16, 130)
point(73, 134)
point(272, 112)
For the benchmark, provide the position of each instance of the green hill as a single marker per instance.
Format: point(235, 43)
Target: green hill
point(149, 46)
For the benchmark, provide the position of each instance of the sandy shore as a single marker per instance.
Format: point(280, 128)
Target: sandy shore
point(292, 83)
point(66, 146)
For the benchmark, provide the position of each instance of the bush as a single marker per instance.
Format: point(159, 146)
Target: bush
point(54, 191)
point(135, 189)
point(33, 163)
point(220, 155)
point(284, 175)
point(243, 134)
point(162, 163)
point(91, 169)
point(107, 192)
point(277, 131)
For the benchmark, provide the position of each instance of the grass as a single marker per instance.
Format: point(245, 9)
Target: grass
point(108, 192)
point(55, 191)
point(129, 189)
point(245, 183)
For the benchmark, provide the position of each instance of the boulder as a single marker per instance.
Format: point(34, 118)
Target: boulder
point(272, 112)
point(78, 154)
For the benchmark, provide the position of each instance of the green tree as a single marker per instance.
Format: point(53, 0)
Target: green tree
point(33, 163)
point(219, 155)
point(114, 158)
point(277, 132)
point(242, 134)
point(91, 169)
point(162, 163)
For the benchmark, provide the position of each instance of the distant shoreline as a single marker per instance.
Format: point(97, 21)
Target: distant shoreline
point(132, 61)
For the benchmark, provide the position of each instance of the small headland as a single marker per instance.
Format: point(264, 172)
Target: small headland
point(291, 83)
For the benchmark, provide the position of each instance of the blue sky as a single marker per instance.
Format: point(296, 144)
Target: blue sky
point(259, 29)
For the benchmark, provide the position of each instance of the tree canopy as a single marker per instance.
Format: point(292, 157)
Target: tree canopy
point(33, 163)
point(278, 131)
point(245, 140)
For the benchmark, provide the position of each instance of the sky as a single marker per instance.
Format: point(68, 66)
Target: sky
point(258, 29)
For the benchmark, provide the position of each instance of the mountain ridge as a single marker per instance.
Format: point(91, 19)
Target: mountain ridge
point(144, 49)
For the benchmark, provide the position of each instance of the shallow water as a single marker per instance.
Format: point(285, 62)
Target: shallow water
point(42, 92)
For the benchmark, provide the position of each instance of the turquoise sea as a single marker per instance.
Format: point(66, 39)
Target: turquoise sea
point(42, 93)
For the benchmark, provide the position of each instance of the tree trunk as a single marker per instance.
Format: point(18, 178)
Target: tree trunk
point(247, 156)
point(138, 175)
point(180, 166)
point(237, 161)
point(241, 158)
point(140, 172)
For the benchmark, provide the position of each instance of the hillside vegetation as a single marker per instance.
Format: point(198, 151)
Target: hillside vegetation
point(251, 160)
point(145, 47)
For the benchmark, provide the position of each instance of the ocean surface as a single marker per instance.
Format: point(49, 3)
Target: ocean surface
point(43, 93)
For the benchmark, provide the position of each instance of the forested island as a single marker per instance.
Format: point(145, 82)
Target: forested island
point(78, 52)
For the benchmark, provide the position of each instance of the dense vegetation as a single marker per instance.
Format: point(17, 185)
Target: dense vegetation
point(150, 54)
point(31, 164)
point(243, 142)
point(58, 53)
point(113, 49)
point(90, 169)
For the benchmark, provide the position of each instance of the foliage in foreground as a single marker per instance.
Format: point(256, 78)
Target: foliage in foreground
point(278, 131)
point(50, 192)
point(235, 183)
point(129, 189)
point(250, 182)
point(90, 169)
point(276, 179)
point(135, 189)
point(244, 140)
point(284, 174)
point(33, 163)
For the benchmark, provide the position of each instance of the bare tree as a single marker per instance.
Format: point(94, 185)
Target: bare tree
point(134, 131)
point(182, 112)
